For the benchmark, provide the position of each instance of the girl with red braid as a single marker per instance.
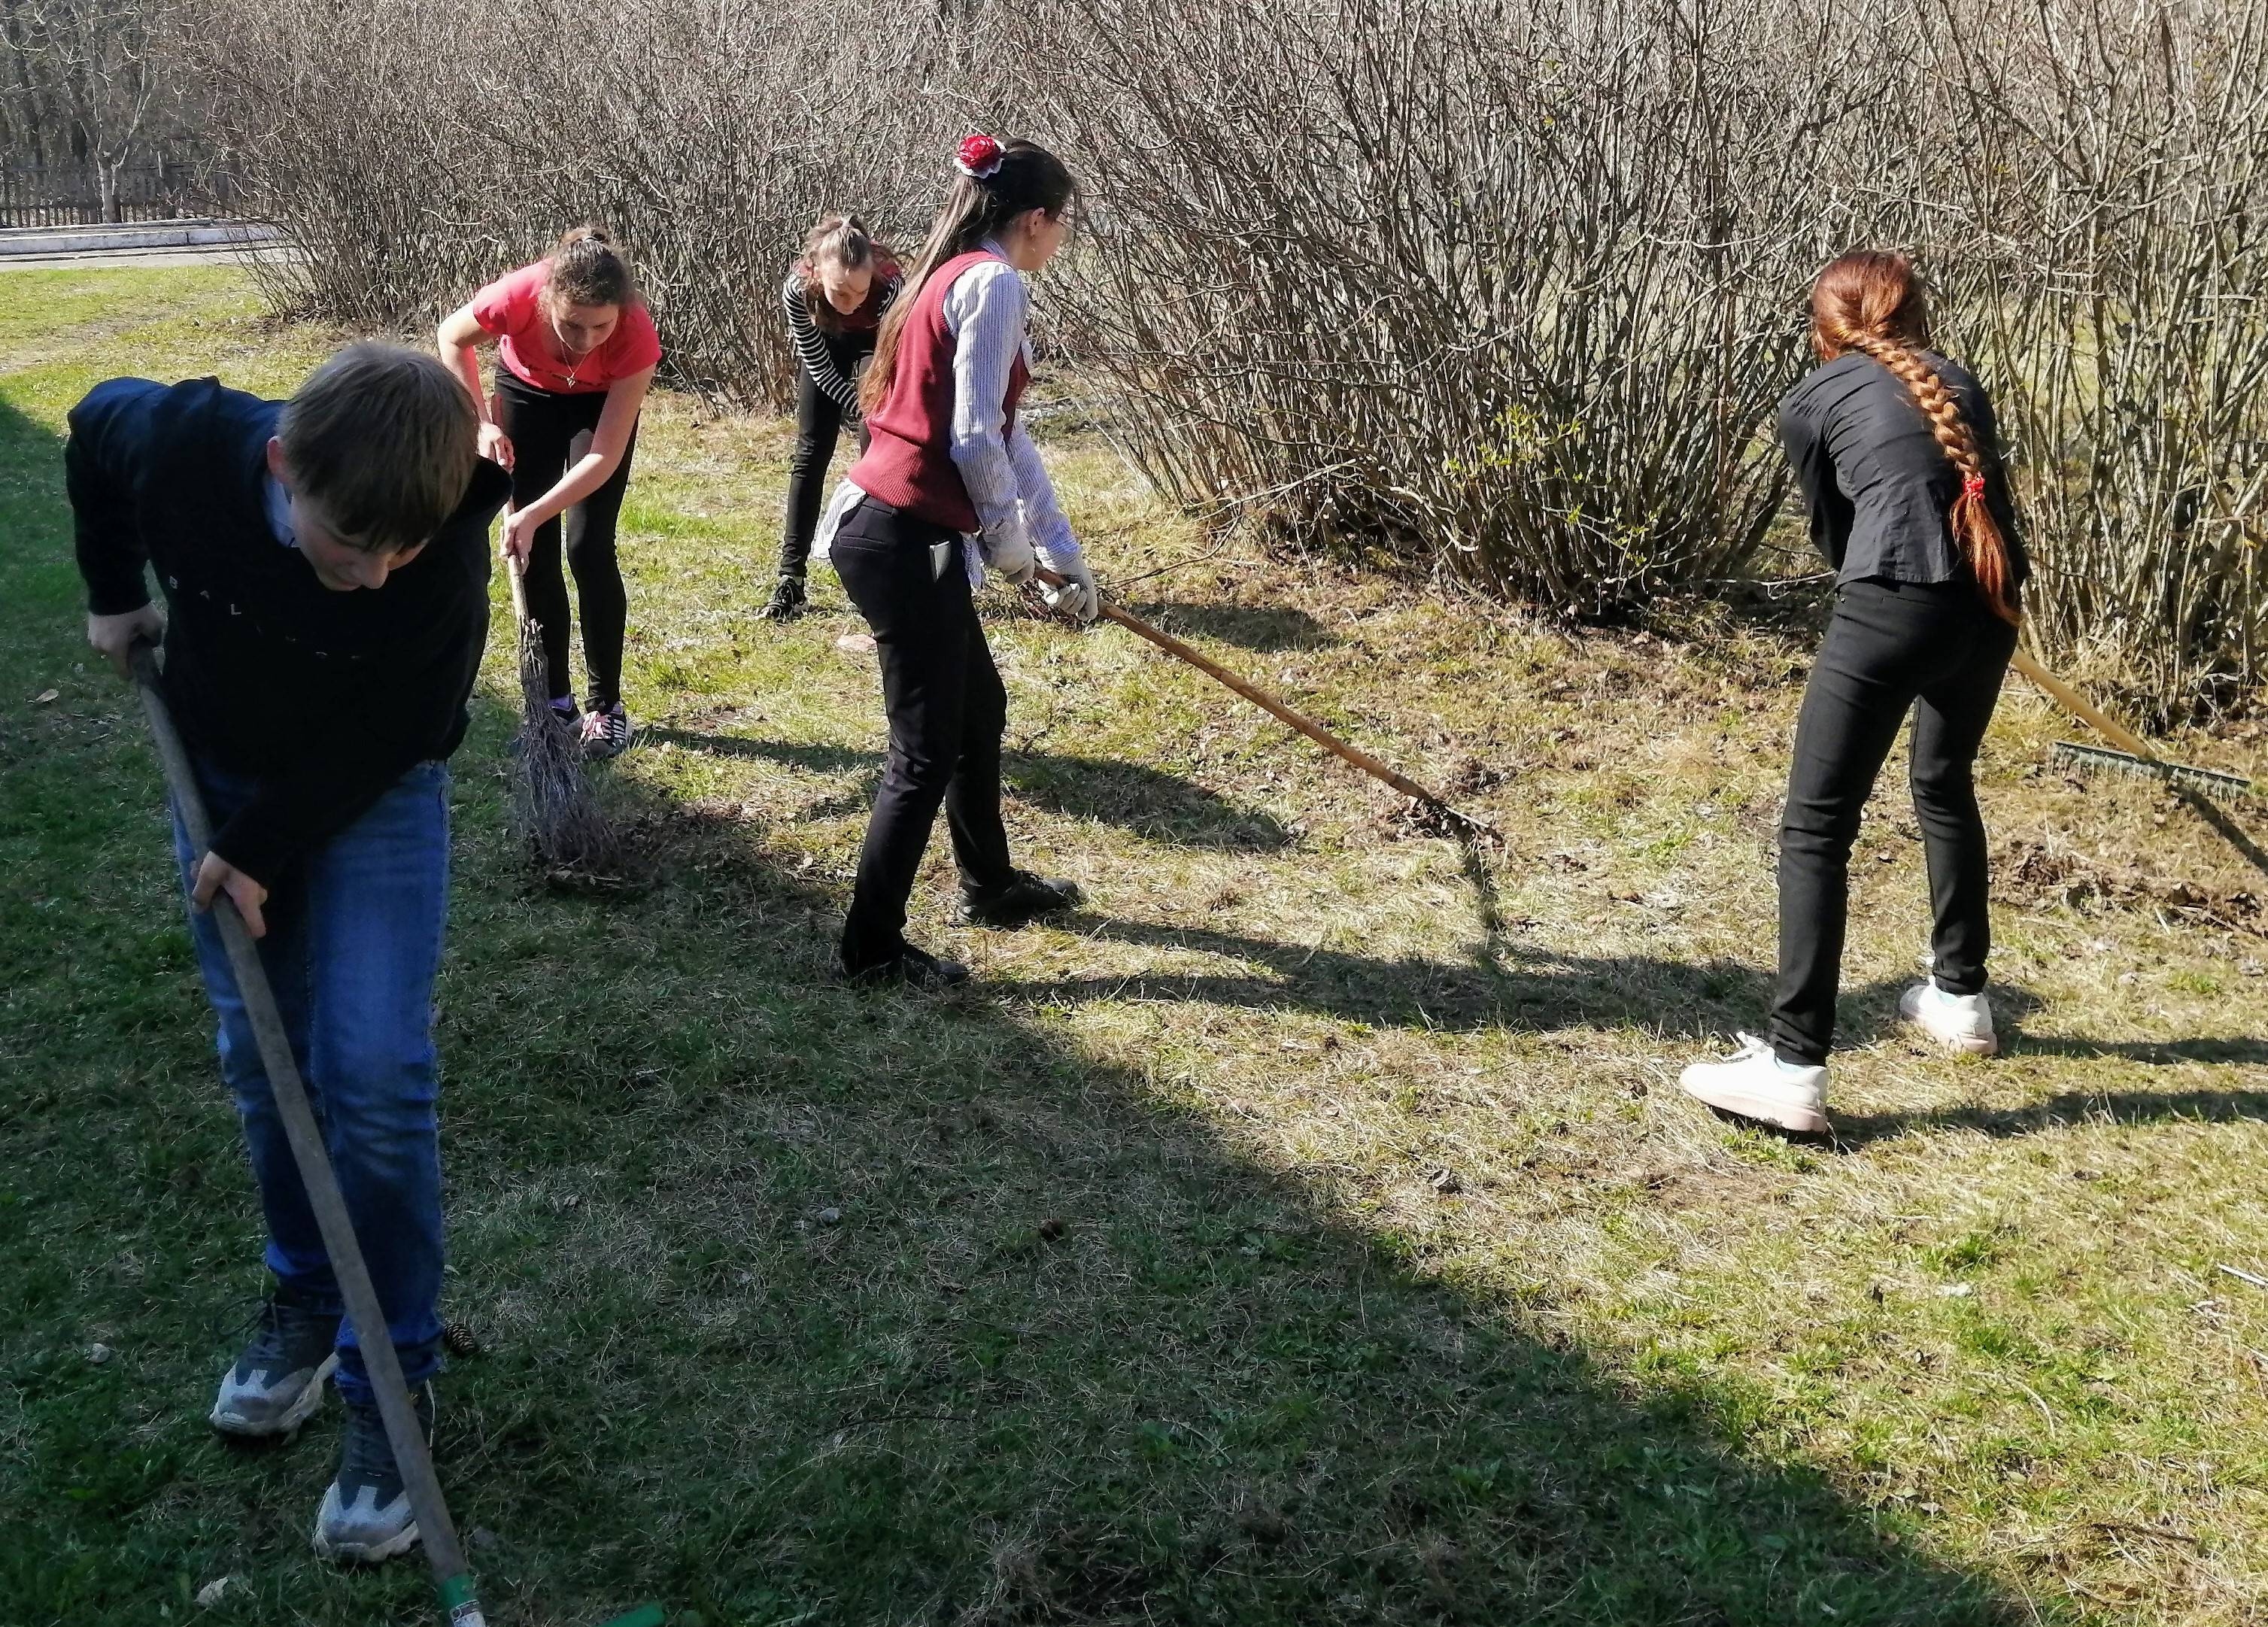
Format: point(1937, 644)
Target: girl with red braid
point(950, 483)
point(1898, 455)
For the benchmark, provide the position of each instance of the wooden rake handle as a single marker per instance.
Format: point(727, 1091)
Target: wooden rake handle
point(2078, 705)
point(1266, 702)
point(411, 1455)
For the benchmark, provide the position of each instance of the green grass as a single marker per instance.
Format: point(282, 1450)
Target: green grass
point(1310, 1231)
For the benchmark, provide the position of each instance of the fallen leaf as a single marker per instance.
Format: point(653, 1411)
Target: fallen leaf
point(44, 696)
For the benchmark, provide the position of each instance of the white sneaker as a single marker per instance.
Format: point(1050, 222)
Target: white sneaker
point(1753, 1083)
point(1959, 1022)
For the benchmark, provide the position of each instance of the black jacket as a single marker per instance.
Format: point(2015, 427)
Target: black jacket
point(1879, 485)
point(326, 698)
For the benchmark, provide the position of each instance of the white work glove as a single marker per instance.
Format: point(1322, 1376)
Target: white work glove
point(1008, 550)
point(1076, 596)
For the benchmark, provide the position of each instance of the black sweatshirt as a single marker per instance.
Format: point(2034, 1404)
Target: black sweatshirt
point(325, 698)
point(1880, 486)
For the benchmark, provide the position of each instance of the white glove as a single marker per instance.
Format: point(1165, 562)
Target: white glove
point(1008, 550)
point(1077, 596)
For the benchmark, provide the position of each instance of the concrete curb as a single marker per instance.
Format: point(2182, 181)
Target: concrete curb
point(128, 238)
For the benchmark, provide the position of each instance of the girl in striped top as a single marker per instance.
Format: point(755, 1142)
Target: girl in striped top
point(836, 296)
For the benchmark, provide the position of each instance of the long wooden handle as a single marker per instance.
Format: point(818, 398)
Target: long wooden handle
point(411, 1455)
point(2078, 705)
point(1261, 699)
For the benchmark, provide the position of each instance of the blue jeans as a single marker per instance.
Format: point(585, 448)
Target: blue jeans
point(353, 946)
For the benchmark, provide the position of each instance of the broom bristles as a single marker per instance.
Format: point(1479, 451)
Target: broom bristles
point(554, 810)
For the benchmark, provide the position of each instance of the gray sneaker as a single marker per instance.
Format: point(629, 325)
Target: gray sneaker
point(365, 1515)
point(277, 1383)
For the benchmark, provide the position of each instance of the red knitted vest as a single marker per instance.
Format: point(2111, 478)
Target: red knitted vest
point(909, 461)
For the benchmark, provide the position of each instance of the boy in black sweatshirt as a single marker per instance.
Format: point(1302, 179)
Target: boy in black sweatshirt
point(325, 565)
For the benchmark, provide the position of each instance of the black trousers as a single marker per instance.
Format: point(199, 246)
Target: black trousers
point(1890, 647)
point(948, 709)
point(818, 428)
point(543, 428)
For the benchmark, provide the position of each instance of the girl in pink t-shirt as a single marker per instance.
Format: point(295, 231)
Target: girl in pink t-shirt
point(576, 352)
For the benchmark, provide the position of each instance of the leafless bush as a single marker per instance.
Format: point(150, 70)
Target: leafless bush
point(1510, 286)
point(1507, 284)
point(466, 137)
point(1515, 284)
point(2105, 230)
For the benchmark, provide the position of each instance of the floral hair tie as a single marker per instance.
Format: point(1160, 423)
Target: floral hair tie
point(979, 158)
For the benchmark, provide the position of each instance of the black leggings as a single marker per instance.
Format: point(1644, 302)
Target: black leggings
point(542, 428)
point(1890, 646)
point(818, 427)
point(947, 711)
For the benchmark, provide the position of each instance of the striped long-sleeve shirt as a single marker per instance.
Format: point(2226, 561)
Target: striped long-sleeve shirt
point(810, 347)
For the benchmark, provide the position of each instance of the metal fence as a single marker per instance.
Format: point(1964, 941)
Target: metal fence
point(73, 196)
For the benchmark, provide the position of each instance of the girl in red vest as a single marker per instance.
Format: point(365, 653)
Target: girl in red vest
point(577, 352)
point(836, 295)
point(949, 484)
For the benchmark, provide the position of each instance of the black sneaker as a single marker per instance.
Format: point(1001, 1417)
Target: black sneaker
point(912, 968)
point(606, 731)
point(365, 1515)
point(277, 1382)
point(787, 600)
point(1026, 897)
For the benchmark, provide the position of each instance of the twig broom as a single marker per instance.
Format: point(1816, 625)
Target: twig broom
point(552, 808)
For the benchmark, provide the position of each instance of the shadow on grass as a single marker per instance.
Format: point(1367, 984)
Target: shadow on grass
point(2124, 1107)
point(1149, 802)
point(810, 1305)
point(1063, 1354)
point(1263, 628)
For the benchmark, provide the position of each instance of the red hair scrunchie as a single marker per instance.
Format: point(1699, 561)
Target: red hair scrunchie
point(979, 157)
point(1973, 487)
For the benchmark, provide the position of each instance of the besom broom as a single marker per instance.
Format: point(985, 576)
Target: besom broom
point(554, 810)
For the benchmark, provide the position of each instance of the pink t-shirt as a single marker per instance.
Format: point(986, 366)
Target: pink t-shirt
point(511, 307)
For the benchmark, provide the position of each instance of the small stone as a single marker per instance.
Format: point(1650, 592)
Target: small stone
point(98, 1354)
point(212, 1592)
point(44, 696)
point(830, 1217)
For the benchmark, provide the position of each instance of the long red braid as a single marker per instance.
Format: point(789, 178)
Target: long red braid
point(1872, 302)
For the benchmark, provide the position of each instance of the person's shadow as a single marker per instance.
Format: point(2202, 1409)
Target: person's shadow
point(930, 1305)
point(1149, 802)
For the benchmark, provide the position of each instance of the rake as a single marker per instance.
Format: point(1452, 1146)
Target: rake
point(1435, 810)
point(2131, 755)
point(453, 1579)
